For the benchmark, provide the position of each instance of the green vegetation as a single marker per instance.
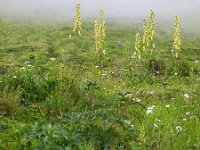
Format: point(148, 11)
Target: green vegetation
point(54, 94)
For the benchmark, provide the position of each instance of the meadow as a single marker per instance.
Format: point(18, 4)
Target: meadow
point(58, 90)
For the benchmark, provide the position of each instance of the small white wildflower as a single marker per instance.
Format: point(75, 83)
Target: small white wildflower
point(179, 128)
point(26, 62)
point(70, 36)
point(15, 77)
point(128, 122)
point(172, 98)
point(167, 106)
point(96, 66)
point(187, 96)
point(22, 68)
point(188, 113)
point(29, 65)
point(176, 74)
point(53, 59)
point(150, 109)
point(103, 74)
point(104, 52)
point(138, 100)
point(184, 119)
point(158, 72)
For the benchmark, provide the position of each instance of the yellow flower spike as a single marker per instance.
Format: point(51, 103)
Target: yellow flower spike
point(100, 34)
point(149, 32)
point(177, 37)
point(137, 53)
point(77, 24)
point(97, 35)
point(145, 36)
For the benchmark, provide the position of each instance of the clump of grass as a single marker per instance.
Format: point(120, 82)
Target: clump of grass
point(9, 101)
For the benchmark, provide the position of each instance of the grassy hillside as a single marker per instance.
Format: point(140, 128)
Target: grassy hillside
point(55, 95)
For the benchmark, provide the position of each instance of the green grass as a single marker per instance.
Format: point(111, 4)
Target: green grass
point(53, 95)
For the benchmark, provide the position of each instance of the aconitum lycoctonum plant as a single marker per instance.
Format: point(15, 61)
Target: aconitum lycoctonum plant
point(177, 37)
point(149, 32)
point(100, 33)
point(77, 24)
point(137, 52)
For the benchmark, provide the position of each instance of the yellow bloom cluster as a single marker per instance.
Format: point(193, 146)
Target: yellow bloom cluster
point(177, 38)
point(100, 34)
point(149, 32)
point(77, 24)
point(137, 53)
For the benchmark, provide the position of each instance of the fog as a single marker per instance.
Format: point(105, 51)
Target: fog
point(124, 11)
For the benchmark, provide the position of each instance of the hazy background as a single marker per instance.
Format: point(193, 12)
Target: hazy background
point(126, 11)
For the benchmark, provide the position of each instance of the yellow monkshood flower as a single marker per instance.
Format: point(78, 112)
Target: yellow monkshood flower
point(137, 53)
point(100, 34)
point(149, 32)
point(77, 24)
point(177, 37)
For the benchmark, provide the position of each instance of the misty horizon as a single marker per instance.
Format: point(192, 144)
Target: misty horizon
point(126, 11)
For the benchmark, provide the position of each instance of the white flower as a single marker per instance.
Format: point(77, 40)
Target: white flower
point(52, 59)
point(176, 74)
point(26, 62)
point(96, 66)
point(167, 106)
point(15, 77)
point(184, 119)
point(128, 122)
point(70, 36)
point(188, 113)
point(138, 100)
point(104, 52)
point(187, 96)
point(179, 128)
point(29, 65)
point(22, 68)
point(150, 109)
point(103, 74)
point(158, 72)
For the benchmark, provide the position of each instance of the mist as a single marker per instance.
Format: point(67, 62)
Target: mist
point(124, 11)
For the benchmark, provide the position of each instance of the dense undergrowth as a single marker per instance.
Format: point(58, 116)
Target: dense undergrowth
point(55, 95)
